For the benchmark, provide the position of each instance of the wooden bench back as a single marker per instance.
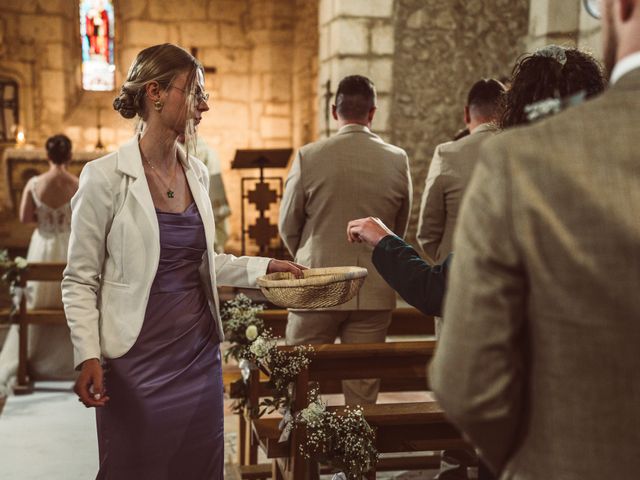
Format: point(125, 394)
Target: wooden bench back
point(401, 367)
point(44, 272)
point(404, 321)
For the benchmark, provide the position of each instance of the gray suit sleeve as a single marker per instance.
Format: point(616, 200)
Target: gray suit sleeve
point(432, 217)
point(402, 218)
point(478, 371)
point(292, 215)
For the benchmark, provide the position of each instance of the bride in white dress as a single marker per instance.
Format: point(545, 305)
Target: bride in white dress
point(45, 200)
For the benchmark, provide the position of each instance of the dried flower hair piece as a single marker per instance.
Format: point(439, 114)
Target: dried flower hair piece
point(551, 106)
point(556, 52)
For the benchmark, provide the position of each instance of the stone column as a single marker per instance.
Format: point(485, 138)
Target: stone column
point(356, 37)
point(271, 34)
point(563, 22)
point(441, 49)
point(305, 73)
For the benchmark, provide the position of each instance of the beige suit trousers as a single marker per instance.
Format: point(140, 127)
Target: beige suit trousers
point(352, 326)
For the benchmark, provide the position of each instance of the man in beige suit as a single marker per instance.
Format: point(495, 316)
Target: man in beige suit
point(538, 359)
point(350, 175)
point(451, 169)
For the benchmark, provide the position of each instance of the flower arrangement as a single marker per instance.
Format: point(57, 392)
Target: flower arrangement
point(241, 326)
point(344, 441)
point(283, 368)
point(253, 346)
point(11, 272)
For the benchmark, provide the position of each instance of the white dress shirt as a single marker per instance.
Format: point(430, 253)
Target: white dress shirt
point(624, 66)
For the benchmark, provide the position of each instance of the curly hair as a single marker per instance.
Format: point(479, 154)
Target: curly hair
point(539, 76)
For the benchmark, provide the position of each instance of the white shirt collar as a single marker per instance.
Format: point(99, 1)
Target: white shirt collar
point(353, 127)
point(483, 127)
point(624, 66)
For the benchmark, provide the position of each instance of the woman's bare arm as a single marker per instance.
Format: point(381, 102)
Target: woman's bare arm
point(27, 205)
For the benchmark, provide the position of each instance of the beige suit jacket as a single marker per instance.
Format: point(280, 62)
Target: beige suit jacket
point(539, 356)
point(449, 174)
point(351, 175)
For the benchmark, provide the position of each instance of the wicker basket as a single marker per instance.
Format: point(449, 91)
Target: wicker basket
point(319, 288)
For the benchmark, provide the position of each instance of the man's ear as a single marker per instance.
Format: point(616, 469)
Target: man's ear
point(467, 115)
point(371, 114)
point(334, 112)
point(626, 9)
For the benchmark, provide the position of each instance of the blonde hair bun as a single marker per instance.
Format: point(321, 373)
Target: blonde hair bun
point(125, 104)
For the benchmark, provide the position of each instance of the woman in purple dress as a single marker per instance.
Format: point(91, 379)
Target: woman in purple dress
point(139, 289)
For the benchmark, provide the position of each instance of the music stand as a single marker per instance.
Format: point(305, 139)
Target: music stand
point(262, 196)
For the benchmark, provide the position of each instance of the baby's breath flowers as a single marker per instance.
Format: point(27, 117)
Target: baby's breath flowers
point(11, 271)
point(252, 344)
point(345, 441)
point(283, 367)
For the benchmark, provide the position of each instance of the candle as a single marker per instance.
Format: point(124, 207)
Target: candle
point(20, 138)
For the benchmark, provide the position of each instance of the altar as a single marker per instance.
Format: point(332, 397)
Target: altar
point(17, 166)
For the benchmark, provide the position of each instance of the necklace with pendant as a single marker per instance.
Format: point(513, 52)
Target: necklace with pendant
point(170, 192)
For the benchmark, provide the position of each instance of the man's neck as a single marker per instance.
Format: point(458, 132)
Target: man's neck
point(474, 124)
point(344, 123)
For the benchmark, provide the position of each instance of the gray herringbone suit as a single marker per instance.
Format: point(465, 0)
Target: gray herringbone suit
point(538, 359)
point(449, 174)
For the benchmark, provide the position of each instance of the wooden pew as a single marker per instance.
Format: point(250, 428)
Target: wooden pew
point(404, 322)
point(401, 427)
point(35, 272)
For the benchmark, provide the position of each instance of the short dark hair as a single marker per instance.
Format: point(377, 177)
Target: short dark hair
point(355, 97)
point(539, 76)
point(485, 96)
point(58, 149)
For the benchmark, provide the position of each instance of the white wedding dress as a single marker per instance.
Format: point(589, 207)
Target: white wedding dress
point(50, 348)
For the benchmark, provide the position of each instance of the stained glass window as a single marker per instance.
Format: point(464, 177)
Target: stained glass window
point(96, 32)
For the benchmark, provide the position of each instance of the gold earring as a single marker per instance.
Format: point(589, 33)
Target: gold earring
point(158, 105)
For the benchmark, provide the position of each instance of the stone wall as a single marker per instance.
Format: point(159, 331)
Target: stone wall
point(441, 49)
point(356, 37)
point(265, 53)
point(563, 22)
point(35, 45)
point(305, 73)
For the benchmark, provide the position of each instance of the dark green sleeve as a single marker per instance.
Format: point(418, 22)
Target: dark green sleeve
point(419, 283)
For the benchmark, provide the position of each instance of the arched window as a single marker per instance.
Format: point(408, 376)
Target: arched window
point(96, 31)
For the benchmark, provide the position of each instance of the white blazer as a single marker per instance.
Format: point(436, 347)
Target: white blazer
point(114, 251)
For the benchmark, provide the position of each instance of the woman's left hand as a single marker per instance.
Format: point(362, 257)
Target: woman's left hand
point(285, 266)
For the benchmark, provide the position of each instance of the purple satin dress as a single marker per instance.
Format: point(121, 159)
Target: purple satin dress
point(165, 420)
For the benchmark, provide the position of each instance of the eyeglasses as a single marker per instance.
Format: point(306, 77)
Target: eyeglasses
point(594, 8)
point(199, 94)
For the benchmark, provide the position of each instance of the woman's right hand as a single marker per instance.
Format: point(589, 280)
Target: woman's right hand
point(90, 384)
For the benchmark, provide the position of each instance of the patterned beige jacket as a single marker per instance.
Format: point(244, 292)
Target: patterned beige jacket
point(538, 360)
